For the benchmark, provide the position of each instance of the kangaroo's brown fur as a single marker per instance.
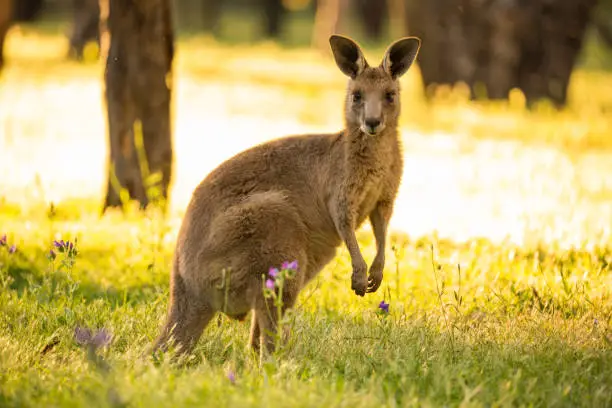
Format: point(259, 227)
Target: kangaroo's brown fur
point(296, 198)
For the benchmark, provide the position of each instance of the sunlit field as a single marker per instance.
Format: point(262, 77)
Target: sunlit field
point(498, 269)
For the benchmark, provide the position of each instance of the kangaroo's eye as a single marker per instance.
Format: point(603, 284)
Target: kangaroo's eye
point(390, 96)
point(356, 96)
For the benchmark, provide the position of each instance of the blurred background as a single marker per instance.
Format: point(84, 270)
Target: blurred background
point(506, 119)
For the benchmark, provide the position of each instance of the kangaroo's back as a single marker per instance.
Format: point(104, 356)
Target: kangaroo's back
point(299, 166)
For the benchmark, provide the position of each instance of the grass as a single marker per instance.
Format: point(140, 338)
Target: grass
point(510, 327)
point(473, 321)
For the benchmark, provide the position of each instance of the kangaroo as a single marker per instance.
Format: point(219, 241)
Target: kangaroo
point(292, 199)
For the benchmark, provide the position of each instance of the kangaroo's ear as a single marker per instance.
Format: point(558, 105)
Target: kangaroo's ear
point(400, 55)
point(348, 55)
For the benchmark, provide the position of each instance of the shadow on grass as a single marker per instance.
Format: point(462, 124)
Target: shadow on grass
point(28, 275)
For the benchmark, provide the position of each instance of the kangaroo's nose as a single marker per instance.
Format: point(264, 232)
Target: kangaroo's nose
point(372, 124)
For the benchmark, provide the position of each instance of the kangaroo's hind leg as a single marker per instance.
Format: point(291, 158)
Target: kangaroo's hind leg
point(188, 315)
point(264, 329)
point(265, 317)
point(261, 232)
point(266, 314)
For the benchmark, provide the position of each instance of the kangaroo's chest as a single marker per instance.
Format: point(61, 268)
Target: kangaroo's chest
point(373, 188)
point(368, 200)
point(374, 180)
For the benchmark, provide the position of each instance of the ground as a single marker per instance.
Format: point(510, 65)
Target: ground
point(498, 270)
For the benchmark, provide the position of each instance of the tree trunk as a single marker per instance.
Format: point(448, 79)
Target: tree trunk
point(497, 45)
point(104, 35)
point(274, 16)
point(85, 26)
point(6, 13)
point(27, 10)
point(397, 17)
point(443, 58)
point(373, 14)
point(327, 19)
point(604, 30)
point(138, 94)
point(561, 32)
point(211, 15)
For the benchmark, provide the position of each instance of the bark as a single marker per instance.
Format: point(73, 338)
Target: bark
point(561, 33)
point(496, 45)
point(327, 20)
point(85, 26)
point(211, 15)
point(26, 10)
point(604, 30)
point(373, 14)
point(104, 34)
point(138, 96)
point(443, 54)
point(5, 23)
point(397, 17)
point(274, 16)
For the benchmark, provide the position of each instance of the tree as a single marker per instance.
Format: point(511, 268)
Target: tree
point(327, 19)
point(138, 82)
point(373, 13)
point(211, 15)
point(85, 26)
point(27, 10)
point(499, 45)
point(274, 15)
point(602, 20)
point(6, 12)
point(329, 16)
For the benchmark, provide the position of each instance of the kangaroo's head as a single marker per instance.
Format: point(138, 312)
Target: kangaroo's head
point(372, 102)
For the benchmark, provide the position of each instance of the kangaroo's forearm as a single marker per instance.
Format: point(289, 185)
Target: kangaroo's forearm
point(349, 238)
point(379, 219)
point(345, 226)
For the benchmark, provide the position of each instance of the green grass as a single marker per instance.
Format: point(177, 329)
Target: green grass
point(527, 325)
point(511, 327)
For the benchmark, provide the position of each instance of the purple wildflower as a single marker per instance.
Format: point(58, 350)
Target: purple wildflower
point(101, 339)
point(290, 265)
point(3, 240)
point(85, 337)
point(270, 284)
point(65, 247)
point(82, 335)
point(12, 249)
point(52, 255)
point(231, 377)
point(384, 306)
point(273, 272)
